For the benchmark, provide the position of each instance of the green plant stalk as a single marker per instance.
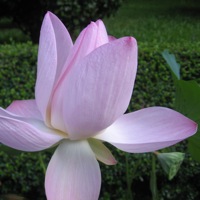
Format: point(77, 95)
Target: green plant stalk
point(42, 163)
point(153, 179)
point(128, 180)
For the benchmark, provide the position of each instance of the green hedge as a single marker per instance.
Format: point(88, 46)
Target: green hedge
point(17, 72)
point(28, 15)
point(23, 173)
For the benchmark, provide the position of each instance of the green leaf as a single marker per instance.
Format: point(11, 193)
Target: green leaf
point(153, 180)
point(171, 61)
point(188, 102)
point(171, 162)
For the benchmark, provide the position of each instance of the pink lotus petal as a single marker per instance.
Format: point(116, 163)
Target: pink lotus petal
point(55, 44)
point(73, 173)
point(102, 37)
point(148, 130)
point(63, 43)
point(93, 36)
point(85, 43)
point(25, 108)
point(26, 134)
point(111, 38)
point(102, 153)
point(98, 89)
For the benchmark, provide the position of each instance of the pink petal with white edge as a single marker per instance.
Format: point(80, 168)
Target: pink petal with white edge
point(93, 36)
point(102, 34)
point(148, 130)
point(25, 108)
point(26, 134)
point(90, 38)
point(111, 38)
point(73, 173)
point(54, 46)
point(98, 89)
point(64, 43)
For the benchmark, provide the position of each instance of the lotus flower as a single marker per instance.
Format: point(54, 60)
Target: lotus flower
point(82, 92)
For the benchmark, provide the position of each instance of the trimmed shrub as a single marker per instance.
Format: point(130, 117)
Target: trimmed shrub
point(28, 15)
point(17, 72)
point(154, 86)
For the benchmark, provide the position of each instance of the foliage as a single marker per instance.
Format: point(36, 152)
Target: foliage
point(148, 21)
point(28, 15)
point(18, 72)
point(24, 173)
point(154, 86)
point(187, 101)
point(171, 162)
point(157, 21)
point(10, 35)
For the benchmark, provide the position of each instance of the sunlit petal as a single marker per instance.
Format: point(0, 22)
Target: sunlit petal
point(73, 173)
point(102, 36)
point(55, 44)
point(93, 36)
point(25, 108)
point(98, 89)
point(148, 130)
point(26, 134)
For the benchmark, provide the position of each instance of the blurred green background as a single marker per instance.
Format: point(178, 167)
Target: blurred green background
point(157, 25)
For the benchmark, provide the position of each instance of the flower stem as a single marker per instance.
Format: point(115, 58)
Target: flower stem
point(153, 179)
point(42, 163)
point(128, 180)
